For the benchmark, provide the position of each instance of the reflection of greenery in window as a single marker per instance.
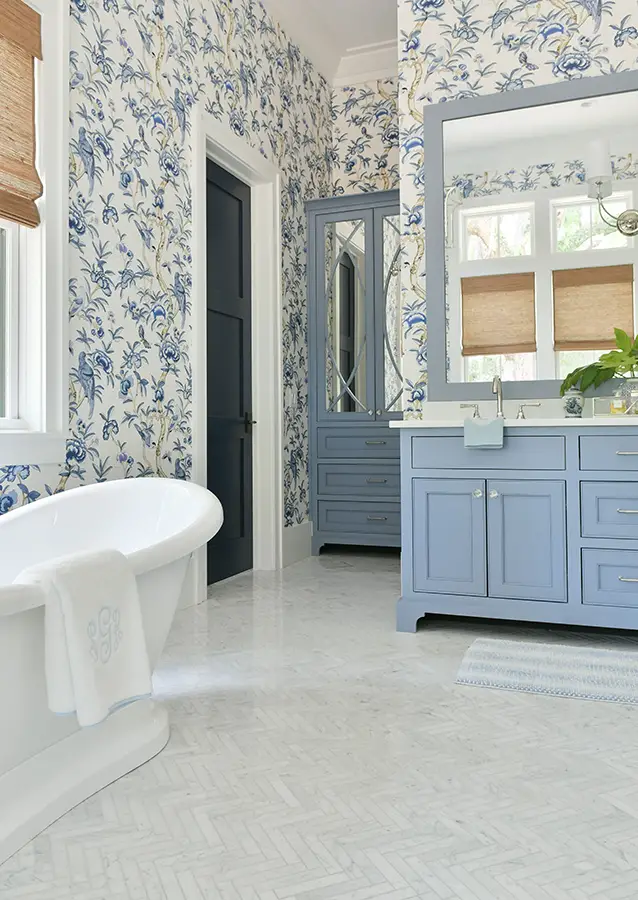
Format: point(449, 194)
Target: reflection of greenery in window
point(568, 360)
point(509, 366)
point(580, 227)
point(498, 235)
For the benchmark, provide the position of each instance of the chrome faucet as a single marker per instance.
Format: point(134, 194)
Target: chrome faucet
point(497, 388)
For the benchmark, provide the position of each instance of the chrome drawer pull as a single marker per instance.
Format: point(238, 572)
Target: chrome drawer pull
point(377, 518)
point(626, 452)
point(628, 512)
point(373, 443)
point(377, 480)
point(628, 580)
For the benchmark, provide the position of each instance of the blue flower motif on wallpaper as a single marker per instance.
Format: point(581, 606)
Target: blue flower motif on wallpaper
point(137, 70)
point(452, 49)
point(365, 145)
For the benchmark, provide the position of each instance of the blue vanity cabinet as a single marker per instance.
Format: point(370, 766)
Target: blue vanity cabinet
point(449, 535)
point(543, 530)
point(527, 547)
point(356, 388)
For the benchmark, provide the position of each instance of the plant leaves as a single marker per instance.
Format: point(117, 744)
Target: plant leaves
point(623, 341)
point(589, 377)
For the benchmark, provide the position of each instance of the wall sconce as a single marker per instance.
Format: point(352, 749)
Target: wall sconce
point(599, 179)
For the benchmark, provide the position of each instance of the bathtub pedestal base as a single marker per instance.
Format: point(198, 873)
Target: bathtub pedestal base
point(40, 790)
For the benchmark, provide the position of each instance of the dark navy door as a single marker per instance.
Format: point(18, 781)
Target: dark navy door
point(229, 385)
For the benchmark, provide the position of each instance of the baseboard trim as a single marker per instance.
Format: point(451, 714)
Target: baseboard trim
point(297, 543)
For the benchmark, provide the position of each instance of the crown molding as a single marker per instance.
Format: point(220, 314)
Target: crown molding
point(368, 63)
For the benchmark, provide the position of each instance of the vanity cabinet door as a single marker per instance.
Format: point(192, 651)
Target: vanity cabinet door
point(448, 535)
point(527, 540)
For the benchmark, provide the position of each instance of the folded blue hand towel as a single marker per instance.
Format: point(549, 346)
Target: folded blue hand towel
point(483, 434)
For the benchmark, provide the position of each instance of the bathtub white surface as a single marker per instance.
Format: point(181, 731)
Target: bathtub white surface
point(158, 524)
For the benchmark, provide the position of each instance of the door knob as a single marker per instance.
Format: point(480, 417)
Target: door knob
point(493, 495)
point(478, 493)
point(248, 422)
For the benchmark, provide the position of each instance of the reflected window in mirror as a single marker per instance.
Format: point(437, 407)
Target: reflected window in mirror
point(535, 289)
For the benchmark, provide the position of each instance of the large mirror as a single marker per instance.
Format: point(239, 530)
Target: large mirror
point(530, 239)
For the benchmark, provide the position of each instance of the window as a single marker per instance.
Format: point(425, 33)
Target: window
point(497, 234)
point(578, 225)
point(536, 288)
point(33, 230)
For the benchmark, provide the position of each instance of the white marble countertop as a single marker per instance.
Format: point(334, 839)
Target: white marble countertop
point(587, 422)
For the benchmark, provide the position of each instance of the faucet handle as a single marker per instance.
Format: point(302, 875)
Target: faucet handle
point(521, 409)
point(476, 414)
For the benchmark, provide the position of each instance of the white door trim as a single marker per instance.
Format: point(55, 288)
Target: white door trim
point(213, 140)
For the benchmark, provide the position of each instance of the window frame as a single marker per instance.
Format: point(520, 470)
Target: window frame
point(36, 427)
point(543, 260)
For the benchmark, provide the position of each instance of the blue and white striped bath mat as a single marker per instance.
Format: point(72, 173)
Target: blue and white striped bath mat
point(583, 673)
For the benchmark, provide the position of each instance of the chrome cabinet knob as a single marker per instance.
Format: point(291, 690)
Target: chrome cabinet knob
point(370, 412)
point(493, 495)
point(478, 493)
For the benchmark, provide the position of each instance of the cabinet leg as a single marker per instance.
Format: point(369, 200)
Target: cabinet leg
point(408, 616)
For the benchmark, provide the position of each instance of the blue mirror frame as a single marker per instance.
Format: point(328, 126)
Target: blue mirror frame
point(434, 117)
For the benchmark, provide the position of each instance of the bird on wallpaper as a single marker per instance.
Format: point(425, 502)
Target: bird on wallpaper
point(593, 8)
point(180, 112)
point(87, 155)
point(86, 377)
point(179, 292)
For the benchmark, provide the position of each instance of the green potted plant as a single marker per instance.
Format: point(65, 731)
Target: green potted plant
point(619, 363)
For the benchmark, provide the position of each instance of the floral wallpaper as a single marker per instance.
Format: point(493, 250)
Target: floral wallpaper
point(458, 48)
point(365, 145)
point(137, 69)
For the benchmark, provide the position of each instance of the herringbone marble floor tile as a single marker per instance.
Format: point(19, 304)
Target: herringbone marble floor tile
point(318, 755)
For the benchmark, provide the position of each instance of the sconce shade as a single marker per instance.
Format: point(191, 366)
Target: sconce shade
point(598, 164)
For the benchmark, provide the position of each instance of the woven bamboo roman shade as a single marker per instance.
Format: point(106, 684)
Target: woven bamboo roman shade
point(589, 304)
point(20, 44)
point(499, 314)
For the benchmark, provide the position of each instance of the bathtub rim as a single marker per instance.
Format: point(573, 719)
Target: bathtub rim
point(16, 598)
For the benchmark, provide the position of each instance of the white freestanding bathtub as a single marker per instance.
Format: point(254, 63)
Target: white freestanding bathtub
point(47, 763)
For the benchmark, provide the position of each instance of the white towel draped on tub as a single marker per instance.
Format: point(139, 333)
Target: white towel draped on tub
point(95, 650)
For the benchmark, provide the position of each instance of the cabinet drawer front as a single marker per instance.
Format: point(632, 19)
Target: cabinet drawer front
point(611, 453)
point(359, 518)
point(518, 452)
point(365, 481)
point(360, 443)
point(609, 509)
point(610, 577)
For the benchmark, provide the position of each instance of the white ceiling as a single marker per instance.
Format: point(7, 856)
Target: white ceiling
point(329, 31)
point(604, 115)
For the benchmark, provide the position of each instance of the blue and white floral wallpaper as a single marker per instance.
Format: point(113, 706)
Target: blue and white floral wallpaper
point(365, 144)
point(450, 49)
point(137, 69)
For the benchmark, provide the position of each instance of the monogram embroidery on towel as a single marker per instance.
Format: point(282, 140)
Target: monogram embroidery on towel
point(104, 634)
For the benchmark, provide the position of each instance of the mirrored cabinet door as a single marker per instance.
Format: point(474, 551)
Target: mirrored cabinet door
point(389, 324)
point(347, 322)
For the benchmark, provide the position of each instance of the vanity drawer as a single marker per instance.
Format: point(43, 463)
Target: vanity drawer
point(609, 509)
point(359, 443)
point(368, 480)
point(610, 577)
point(611, 453)
point(359, 518)
point(518, 452)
